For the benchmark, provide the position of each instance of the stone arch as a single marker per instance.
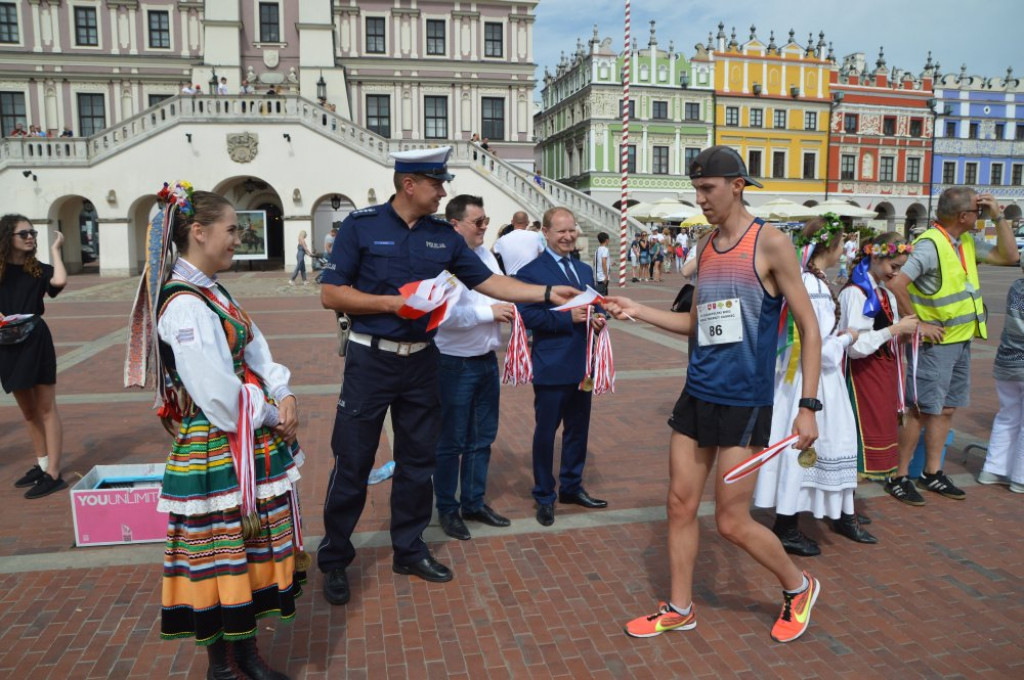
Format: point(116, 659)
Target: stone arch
point(885, 211)
point(77, 218)
point(916, 216)
point(253, 193)
point(140, 214)
point(1012, 212)
point(324, 216)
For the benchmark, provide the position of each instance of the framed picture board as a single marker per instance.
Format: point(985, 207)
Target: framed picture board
point(252, 229)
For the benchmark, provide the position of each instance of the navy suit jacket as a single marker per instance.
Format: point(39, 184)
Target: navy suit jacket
point(559, 345)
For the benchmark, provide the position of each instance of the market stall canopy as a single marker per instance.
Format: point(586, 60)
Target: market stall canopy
point(640, 211)
point(695, 221)
point(843, 209)
point(669, 206)
point(783, 209)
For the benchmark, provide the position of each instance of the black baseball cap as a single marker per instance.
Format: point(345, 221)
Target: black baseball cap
point(721, 161)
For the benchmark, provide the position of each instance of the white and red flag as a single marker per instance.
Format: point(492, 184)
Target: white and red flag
point(755, 462)
point(436, 296)
point(587, 297)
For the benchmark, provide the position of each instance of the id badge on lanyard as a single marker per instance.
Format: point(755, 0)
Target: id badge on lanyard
point(719, 322)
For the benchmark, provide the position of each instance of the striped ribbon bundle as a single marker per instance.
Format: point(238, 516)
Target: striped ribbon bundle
point(604, 364)
point(518, 365)
point(242, 449)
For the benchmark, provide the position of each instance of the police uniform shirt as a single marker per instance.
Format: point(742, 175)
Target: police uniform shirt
point(376, 252)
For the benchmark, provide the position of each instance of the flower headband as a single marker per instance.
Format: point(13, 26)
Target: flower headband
point(833, 225)
point(179, 194)
point(888, 249)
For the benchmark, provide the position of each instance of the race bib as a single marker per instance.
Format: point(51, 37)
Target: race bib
point(719, 322)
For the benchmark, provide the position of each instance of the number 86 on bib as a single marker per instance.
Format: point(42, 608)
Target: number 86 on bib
point(719, 322)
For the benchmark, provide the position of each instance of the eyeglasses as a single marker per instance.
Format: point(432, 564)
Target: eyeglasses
point(27, 234)
point(979, 211)
point(480, 222)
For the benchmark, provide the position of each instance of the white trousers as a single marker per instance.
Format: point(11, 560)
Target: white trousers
point(1006, 443)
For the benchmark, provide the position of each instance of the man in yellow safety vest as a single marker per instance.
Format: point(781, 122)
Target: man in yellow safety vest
point(939, 283)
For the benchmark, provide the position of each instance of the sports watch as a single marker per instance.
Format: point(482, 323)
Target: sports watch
point(810, 403)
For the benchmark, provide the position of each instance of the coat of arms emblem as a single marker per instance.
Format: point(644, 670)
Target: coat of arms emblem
point(242, 147)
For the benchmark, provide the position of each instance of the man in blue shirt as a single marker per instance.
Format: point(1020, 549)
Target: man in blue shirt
point(392, 362)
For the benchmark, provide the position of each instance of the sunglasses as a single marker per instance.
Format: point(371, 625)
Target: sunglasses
point(27, 234)
point(480, 222)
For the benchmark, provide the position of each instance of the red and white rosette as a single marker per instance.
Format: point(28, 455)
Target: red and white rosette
point(754, 463)
point(518, 364)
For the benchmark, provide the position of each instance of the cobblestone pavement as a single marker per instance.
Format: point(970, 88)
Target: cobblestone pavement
point(940, 596)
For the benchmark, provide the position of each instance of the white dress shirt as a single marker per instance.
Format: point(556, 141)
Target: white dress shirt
point(851, 305)
point(203, 360)
point(470, 330)
point(519, 248)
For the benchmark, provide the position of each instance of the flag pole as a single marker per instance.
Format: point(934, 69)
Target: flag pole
point(624, 155)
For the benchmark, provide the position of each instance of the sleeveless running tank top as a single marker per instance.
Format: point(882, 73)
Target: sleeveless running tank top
point(739, 373)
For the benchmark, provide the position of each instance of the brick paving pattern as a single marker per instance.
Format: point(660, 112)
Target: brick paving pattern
point(939, 597)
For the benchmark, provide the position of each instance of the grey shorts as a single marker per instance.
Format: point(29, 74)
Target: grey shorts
point(943, 377)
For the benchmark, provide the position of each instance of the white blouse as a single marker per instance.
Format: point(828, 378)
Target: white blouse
point(203, 359)
point(833, 346)
point(851, 308)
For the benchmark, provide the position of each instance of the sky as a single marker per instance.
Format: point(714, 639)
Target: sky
point(907, 29)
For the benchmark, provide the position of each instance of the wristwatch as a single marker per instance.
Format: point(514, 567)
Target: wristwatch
point(810, 403)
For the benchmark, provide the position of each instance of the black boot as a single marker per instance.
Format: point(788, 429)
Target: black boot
point(793, 540)
point(221, 667)
point(847, 525)
point(248, 659)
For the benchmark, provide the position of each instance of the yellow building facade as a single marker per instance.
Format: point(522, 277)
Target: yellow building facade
point(772, 106)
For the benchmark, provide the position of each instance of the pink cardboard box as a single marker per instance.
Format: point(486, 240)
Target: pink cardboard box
point(116, 504)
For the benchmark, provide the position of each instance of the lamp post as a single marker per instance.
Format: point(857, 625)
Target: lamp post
point(321, 88)
point(335, 202)
point(837, 99)
point(933, 105)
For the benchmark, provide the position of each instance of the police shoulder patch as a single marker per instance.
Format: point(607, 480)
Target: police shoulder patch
point(364, 212)
point(439, 220)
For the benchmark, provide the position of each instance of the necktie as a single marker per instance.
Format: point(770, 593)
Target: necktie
point(569, 271)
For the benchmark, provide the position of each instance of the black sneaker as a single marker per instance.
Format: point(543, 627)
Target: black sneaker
point(45, 486)
point(30, 477)
point(902, 489)
point(941, 484)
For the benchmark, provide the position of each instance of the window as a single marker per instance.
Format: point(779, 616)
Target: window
point(889, 126)
point(779, 119)
point(886, 168)
point(155, 99)
point(690, 156)
point(850, 122)
point(632, 109)
point(810, 120)
point(810, 165)
point(754, 163)
point(378, 114)
point(493, 39)
point(916, 127)
point(1000, 130)
point(660, 111)
point(8, 22)
point(375, 43)
point(435, 37)
point(732, 115)
point(85, 27)
point(949, 172)
point(757, 118)
point(778, 164)
point(692, 110)
point(630, 158)
point(1019, 134)
point(1017, 174)
point(270, 22)
point(913, 169)
point(972, 131)
point(493, 123)
point(970, 173)
point(848, 166)
point(91, 116)
point(996, 174)
point(950, 129)
point(660, 166)
point(159, 29)
point(435, 117)
point(12, 111)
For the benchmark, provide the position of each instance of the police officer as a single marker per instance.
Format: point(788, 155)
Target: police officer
point(392, 362)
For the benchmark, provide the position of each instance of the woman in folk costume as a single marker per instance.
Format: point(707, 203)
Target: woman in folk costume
point(874, 368)
point(820, 480)
point(234, 547)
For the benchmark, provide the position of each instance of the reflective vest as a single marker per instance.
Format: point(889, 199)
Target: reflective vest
point(957, 305)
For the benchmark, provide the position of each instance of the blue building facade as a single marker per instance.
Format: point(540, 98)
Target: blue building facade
point(979, 138)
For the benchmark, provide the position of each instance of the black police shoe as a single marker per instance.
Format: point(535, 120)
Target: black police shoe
point(427, 569)
point(546, 514)
point(336, 590)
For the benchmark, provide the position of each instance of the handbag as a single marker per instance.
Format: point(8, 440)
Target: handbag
point(14, 332)
point(684, 299)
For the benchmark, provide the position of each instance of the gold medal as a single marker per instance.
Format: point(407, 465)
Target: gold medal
point(587, 385)
point(302, 560)
point(807, 458)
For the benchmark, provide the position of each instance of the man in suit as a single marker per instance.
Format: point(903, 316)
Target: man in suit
point(559, 365)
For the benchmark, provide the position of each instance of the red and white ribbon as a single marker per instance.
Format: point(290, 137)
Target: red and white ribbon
point(300, 544)
point(755, 462)
point(915, 348)
point(901, 396)
point(518, 364)
point(604, 364)
point(242, 449)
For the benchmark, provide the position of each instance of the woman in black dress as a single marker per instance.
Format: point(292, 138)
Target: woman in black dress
point(29, 367)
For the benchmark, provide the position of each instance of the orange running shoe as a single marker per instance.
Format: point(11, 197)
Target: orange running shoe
point(666, 619)
point(796, 612)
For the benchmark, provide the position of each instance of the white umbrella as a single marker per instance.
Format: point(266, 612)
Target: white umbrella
point(685, 213)
point(670, 206)
point(843, 209)
point(783, 209)
point(640, 211)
